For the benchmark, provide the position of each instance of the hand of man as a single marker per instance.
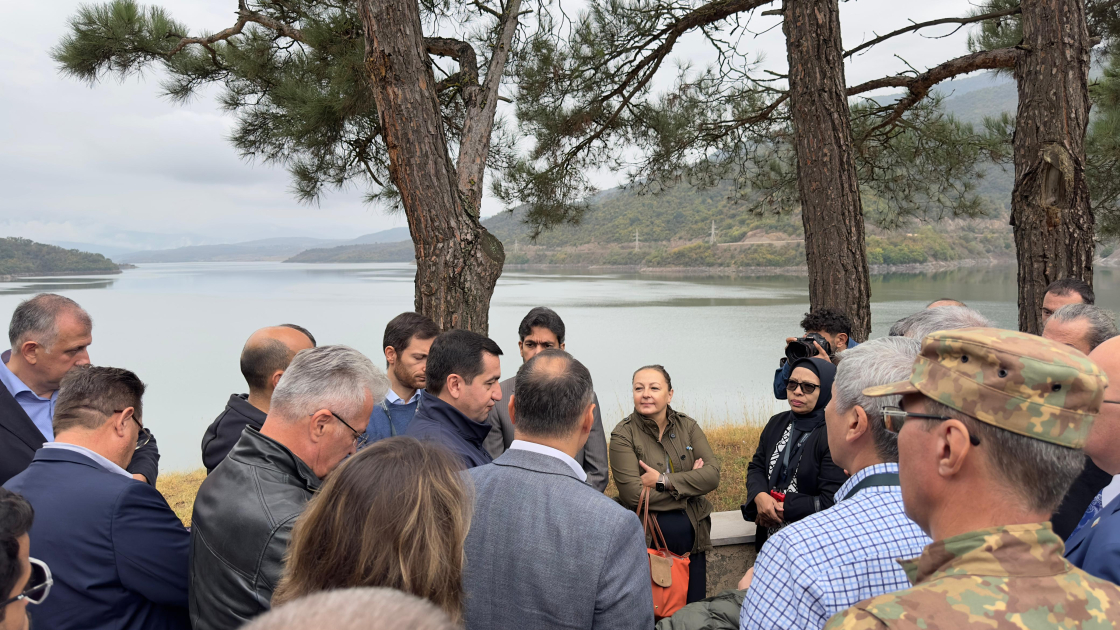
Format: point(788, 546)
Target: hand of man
point(745, 583)
point(821, 354)
point(139, 477)
point(699, 464)
point(650, 476)
point(768, 515)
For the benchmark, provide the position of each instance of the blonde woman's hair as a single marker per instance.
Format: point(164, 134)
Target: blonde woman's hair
point(395, 515)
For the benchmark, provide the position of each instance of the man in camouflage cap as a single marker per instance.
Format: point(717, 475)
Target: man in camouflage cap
point(989, 438)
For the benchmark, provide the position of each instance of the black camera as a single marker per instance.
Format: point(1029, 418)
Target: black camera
point(803, 348)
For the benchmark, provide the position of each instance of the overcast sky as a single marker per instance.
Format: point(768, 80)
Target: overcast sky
point(119, 163)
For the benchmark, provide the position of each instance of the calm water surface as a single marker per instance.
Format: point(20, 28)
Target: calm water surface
point(181, 327)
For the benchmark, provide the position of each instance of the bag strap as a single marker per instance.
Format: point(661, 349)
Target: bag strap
point(649, 523)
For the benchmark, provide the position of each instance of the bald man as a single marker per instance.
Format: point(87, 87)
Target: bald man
point(264, 358)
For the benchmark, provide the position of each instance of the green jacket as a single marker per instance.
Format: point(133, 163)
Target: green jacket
point(720, 612)
point(682, 444)
point(1011, 577)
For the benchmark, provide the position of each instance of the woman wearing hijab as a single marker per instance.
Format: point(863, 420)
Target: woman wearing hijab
point(792, 474)
point(659, 448)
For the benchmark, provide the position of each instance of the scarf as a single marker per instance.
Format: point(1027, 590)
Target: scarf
point(803, 424)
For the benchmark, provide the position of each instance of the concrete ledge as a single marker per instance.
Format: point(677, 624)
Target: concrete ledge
point(729, 528)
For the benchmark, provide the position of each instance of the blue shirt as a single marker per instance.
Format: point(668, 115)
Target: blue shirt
point(825, 563)
point(40, 410)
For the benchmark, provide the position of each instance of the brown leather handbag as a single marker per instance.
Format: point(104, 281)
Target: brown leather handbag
point(668, 572)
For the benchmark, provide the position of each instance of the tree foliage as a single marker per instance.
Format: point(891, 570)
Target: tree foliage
point(20, 256)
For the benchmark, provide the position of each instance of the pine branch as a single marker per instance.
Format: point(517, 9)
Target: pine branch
point(459, 50)
point(244, 17)
point(918, 26)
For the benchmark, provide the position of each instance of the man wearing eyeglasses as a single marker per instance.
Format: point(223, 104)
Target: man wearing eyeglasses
point(23, 580)
point(990, 433)
point(118, 551)
point(245, 510)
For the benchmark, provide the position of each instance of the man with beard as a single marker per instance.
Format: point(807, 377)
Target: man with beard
point(408, 338)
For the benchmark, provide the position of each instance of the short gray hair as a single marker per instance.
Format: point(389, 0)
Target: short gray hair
point(552, 392)
point(1039, 472)
point(869, 364)
point(355, 609)
point(1102, 325)
point(36, 319)
point(332, 377)
point(931, 320)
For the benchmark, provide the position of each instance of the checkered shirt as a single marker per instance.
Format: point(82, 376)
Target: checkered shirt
point(825, 563)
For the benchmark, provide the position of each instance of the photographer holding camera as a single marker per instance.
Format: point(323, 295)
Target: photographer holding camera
point(792, 474)
point(828, 332)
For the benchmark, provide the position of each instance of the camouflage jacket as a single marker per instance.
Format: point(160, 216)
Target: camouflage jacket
point(1004, 577)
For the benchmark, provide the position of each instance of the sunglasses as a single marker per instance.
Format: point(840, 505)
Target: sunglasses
point(895, 417)
point(806, 388)
point(38, 585)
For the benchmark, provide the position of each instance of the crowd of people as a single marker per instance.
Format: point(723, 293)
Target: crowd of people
point(434, 494)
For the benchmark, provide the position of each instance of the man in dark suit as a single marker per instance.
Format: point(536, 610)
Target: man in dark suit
point(264, 358)
point(1095, 545)
point(50, 334)
point(540, 330)
point(545, 550)
point(117, 552)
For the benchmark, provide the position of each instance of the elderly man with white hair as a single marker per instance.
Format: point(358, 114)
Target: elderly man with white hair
point(816, 567)
point(246, 508)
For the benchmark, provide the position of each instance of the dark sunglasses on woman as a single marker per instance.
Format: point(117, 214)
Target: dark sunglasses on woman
point(38, 585)
point(806, 388)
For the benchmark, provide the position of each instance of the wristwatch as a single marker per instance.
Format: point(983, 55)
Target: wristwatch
point(660, 486)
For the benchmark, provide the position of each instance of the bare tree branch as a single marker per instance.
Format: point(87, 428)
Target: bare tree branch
point(456, 49)
point(918, 26)
point(244, 16)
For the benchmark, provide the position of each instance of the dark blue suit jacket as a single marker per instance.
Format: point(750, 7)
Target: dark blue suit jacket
point(118, 554)
point(1095, 548)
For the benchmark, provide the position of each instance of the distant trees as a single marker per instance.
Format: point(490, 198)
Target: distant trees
point(22, 256)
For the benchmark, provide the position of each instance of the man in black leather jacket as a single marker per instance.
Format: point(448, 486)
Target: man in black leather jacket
point(245, 510)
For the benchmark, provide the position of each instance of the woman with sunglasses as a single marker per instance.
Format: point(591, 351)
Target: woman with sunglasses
point(23, 579)
point(792, 474)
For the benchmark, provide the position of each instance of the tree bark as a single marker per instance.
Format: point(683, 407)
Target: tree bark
point(1050, 203)
point(457, 261)
point(826, 172)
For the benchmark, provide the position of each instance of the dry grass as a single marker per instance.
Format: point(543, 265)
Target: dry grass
point(733, 445)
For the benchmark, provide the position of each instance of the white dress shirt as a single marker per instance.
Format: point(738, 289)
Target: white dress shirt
point(97, 458)
point(551, 452)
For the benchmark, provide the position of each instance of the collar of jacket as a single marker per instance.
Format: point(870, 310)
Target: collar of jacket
point(649, 425)
point(1031, 550)
point(254, 449)
point(437, 409)
point(239, 404)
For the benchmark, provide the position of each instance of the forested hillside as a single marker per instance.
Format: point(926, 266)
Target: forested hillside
point(20, 256)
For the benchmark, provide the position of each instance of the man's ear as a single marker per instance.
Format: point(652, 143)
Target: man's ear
point(561, 345)
point(454, 386)
point(27, 351)
point(390, 355)
point(120, 425)
point(841, 342)
point(512, 418)
point(858, 425)
point(588, 420)
point(272, 382)
point(953, 447)
point(320, 424)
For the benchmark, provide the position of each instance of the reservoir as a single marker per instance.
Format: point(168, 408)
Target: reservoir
point(181, 327)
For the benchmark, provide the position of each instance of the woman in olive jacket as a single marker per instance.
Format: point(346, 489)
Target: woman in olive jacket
point(659, 448)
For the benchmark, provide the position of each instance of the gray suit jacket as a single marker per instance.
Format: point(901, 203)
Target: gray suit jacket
point(547, 551)
point(593, 457)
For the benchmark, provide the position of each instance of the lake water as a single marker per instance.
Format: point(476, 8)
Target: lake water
point(181, 327)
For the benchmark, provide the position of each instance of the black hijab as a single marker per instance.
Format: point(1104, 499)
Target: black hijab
point(803, 423)
point(826, 372)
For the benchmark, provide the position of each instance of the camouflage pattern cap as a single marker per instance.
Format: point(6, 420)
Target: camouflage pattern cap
point(1019, 382)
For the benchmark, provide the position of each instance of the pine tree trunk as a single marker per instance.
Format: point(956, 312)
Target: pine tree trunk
point(826, 173)
point(1050, 203)
point(457, 261)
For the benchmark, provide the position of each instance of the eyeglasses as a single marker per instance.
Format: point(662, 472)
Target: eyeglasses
point(38, 585)
point(895, 417)
point(1114, 402)
point(144, 436)
point(360, 439)
point(806, 388)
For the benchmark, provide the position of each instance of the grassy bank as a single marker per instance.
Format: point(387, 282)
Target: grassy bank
point(733, 445)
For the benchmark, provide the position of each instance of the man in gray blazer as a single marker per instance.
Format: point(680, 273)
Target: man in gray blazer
point(545, 550)
point(540, 330)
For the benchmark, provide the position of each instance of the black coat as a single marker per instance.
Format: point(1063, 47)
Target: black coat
point(226, 429)
point(818, 478)
point(439, 422)
point(20, 438)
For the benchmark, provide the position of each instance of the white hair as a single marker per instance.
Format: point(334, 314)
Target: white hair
point(1102, 326)
point(355, 609)
point(331, 377)
point(931, 320)
point(876, 362)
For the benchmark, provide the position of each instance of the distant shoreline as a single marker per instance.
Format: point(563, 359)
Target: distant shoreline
point(760, 272)
point(54, 274)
